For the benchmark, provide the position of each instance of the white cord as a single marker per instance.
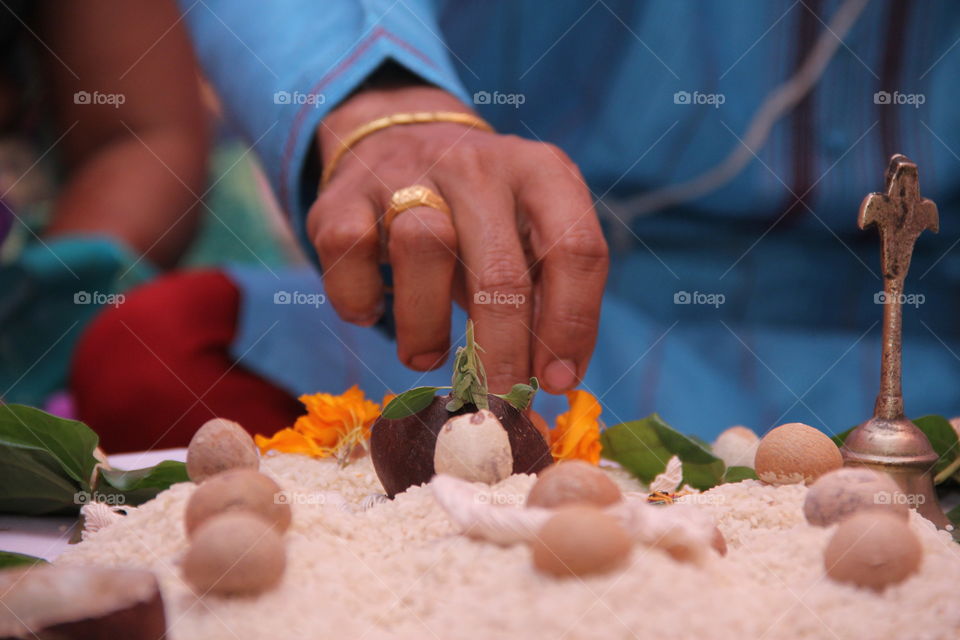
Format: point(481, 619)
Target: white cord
point(776, 104)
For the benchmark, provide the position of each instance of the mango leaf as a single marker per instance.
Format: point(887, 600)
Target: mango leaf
point(410, 402)
point(46, 466)
point(954, 517)
point(68, 442)
point(737, 474)
point(9, 559)
point(521, 395)
point(840, 438)
point(643, 447)
point(44, 461)
point(141, 485)
point(942, 438)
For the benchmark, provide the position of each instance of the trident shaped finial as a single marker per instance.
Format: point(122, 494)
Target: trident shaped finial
point(889, 441)
point(900, 215)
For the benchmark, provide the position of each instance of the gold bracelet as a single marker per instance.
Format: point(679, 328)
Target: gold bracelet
point(419, 117)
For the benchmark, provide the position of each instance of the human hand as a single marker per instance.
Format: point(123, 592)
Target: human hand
point(522, 252)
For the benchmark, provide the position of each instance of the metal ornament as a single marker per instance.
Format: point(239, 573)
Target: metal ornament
point(888, 441)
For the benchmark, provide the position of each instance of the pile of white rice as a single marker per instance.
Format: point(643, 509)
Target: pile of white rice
point(400, 570)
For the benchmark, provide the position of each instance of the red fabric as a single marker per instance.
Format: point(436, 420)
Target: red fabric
point(149, 372)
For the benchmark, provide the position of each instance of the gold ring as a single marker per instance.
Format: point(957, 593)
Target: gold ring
point(410, 197)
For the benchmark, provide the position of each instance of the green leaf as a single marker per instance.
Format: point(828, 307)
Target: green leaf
point(469, 381)
point(68, 442)
point(942, 438)
point(410, 402)
point(840, 438)
point(738, 474)
point(521, 395)
point(140, 485)
point(644, 446)
point(954, 517)
point(9, 559)
point(44, 461)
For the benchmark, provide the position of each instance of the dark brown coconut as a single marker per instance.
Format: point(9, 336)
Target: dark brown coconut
point(402, 450)
point(81, 603)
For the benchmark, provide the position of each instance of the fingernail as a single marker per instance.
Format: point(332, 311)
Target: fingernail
point(427, 361)
point(560, 375)
point(369, 320)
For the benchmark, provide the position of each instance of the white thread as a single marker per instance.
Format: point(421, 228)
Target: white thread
point(685, 532)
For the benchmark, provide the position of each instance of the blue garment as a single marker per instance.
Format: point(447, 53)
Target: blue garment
point(631, 91)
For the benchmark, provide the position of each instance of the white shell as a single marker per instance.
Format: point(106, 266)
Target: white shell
point(670, 479)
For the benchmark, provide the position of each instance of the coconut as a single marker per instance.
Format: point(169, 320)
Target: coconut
point(737, 446)
point(238, 490)
point(235, 553)
point(840, 493)
point(873, 549)
point(80, 603)
point(794, 453)
point(573, 482)
point(220, 445)
point(403, 450)
point(580, 540)
point(474, 447)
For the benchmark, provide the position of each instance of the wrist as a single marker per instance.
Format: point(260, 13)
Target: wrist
point(376, 102)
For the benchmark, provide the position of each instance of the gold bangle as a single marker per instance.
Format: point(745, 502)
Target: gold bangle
point(419, 117)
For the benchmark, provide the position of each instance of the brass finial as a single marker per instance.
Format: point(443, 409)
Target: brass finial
point(888, 441)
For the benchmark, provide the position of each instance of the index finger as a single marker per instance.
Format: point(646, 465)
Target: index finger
point(499, 289)
point(573, 258)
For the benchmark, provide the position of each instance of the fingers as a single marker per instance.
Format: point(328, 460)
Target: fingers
point(343, 226)
point(423, 252)
point(572, 255)
point(499, 289)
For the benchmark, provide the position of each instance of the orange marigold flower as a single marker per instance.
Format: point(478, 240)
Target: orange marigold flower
point(333, 425)
point(289, 441)
point(577, 433)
